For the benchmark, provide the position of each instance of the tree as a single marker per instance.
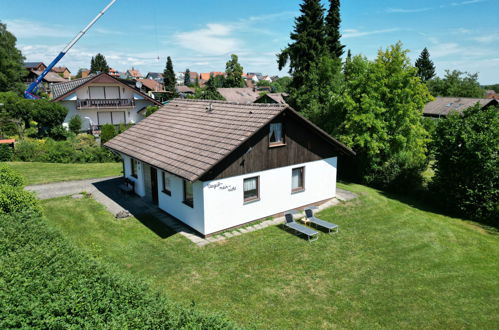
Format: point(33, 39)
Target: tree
point(187, 77)
point(79, 73)
point(75, 124)
point(108, 132)
point(233, 73)
point(466, 166)
point(151, 109)
point(209, 92)
point(308, 40)
point(332, 28)
point(98, 64)
point(426, 68)
point(348, 61)
point(281, 85)
point(457, 84)
point(11, 63)
point(169, 79)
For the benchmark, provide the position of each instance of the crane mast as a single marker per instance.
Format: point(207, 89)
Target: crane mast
point(29, 93)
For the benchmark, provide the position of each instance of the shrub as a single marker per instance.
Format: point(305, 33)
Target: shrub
point(6, 153)
point(28, 150)
point(75, 124)
point(47, 283)
point(466, 166)
point(10, 177)
point(15, 200)
point(151, 109)
point(107, 133)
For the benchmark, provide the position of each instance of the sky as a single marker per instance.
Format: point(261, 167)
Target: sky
point(201, 34)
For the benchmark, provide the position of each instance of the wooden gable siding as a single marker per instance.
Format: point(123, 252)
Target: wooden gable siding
point(302, 144)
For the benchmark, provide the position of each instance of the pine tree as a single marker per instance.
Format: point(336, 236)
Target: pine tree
point(233, 73)
point(332, 27)
point(187, 77)
point(11, 62)
point(426, 68)
point(99, 64)
point(308, 42)
point(346, 67)
point(169, 76)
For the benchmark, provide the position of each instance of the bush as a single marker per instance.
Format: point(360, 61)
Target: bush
point(75, 124)
point(15, 200)
point(78, 149)
point(47, 283)
point(151, 109)
point(10, 177)
point(6, 153)
point(107, 133)
point(466, 166)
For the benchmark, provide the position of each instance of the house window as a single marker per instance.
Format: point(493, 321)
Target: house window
point(298, 179)
point(133, 166)
point(275, 135)
point(188, 196)
point(165, 179)
point(251, 189)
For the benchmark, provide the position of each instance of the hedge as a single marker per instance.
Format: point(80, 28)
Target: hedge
point(45, 282)
point(10, 177)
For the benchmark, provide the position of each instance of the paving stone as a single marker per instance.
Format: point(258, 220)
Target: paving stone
point(228, 235)
point(211, 239)
point(203, 243)
point(236, 233)
point(243, 230)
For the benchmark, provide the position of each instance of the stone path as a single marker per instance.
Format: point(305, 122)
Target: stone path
point(106, 192)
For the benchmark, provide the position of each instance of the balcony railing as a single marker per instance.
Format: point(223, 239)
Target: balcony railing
point(105, 103)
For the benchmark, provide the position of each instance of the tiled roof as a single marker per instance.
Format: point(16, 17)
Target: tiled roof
point(277, 97)
point(63, 88)
point(59, 69)
point(239, 95)
point(187, 139)
point(31, 65)
point(442, 106)
point(185, 89)
point(204, 76)
point(151, 84)
point(50, 77)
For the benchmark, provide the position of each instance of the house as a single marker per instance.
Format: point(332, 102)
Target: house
point(193, 76)
point(491, 94)
point(62, 71)
point(279, 98)
point(155, 76)
point(442, 106)
point(185, 90)
point(239, 95)
point(35, 66)
point(44, 86)
point(101, 99)
point(85, 73)
point(114, 73)
point(132, 74)
point(215, 165)
point(204, 76)
point(149, 85)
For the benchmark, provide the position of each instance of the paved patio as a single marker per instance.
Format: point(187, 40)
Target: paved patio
point(121, 205)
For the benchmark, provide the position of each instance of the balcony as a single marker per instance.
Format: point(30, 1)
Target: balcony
point(105, 103)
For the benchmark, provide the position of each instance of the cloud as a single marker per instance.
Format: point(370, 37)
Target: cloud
point(468, 2)
point(214, 39)
point(352, 33)
point(28, 29)
point(405, 11)
point(487, 39)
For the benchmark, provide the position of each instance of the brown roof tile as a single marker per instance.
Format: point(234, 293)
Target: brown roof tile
point(186, 139)
point(239, 95)
point(442, 106)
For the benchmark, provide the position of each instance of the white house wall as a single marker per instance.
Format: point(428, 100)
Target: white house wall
point(139, 180)
point(224, 205)
point(192, 216)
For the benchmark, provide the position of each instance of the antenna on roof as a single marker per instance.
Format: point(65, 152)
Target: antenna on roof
point(209, 108)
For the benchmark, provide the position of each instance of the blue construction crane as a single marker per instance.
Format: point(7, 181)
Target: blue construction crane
point(29, 93)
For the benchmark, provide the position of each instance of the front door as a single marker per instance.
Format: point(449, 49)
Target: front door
point(154, 185)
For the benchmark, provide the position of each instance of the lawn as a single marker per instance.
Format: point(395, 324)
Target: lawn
point(393, 265)
point(38, 173)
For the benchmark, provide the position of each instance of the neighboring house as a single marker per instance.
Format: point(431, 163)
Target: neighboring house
point(85, 73)
point(44, 86)
point(114, 73)
point(204, 76)
point(101, 99)
point(491, 94)
point(179, 78)
point(252, 77)
point(266, 78)
point(239, 95)
point(183, 91)
point(62, 71)
point(442, 106)
point(149, 85)
point(35, 66)
point(132, 74)
point(216, 165)
point(277, 98)
point(155, 76)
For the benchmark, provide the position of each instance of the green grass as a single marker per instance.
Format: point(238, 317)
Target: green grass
point(38, 173)
point(391, 265)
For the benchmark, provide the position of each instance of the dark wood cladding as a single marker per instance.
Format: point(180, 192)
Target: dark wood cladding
point(302, 144)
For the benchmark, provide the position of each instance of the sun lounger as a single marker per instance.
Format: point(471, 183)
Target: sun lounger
point(311, 234)
point(331, 227)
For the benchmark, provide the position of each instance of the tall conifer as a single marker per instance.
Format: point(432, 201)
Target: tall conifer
point(425, 66)
point(169, 79)
point(332, 27)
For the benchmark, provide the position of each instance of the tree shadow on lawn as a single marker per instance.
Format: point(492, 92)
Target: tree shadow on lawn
point(423, 203)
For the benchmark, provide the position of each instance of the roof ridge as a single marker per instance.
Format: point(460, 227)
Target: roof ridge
point(268, 105)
